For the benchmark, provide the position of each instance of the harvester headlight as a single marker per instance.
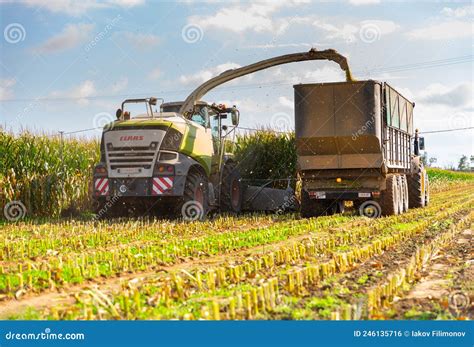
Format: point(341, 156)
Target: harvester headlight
point(172, 140)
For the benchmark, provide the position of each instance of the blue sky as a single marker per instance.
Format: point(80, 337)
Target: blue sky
point(67, 65)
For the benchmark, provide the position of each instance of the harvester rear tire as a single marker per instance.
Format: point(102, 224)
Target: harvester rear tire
point(416, 193)
point(195, 204)
point(231, 189)
point(389, 201)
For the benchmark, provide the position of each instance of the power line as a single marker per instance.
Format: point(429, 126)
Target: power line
point(445, 130)
point(398, 68)
point(271, 130)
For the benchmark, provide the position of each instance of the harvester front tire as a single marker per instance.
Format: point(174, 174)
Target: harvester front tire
point(390, 197)
point(416, 193)
point(231, 189)
point(196, 197)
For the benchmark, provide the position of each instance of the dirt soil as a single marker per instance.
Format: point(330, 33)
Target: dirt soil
point(446, 289)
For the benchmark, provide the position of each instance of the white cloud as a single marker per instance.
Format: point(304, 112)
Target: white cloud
point(459, 12)
point(155, 73)
point(140, 40)
point(442, 31)
point(71, 36)
point(351, 32)
point(364, 2)
point(203, 75)
point(120, 85)
point(283, 45)
point(79, 7)
point(257, 17)
point(456, 96)
point(324, 74)
point(286, 102)
point(81, 92)
point(6, 91)
point(126, 3)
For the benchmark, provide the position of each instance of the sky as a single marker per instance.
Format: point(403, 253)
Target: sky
point(67, 65)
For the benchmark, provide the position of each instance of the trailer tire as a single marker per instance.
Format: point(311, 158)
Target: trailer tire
point(427, 190)
point(404, 193)
point(231, 189)
point(341, 207)
point(416, 193)
point(195, 204)
point(390, 197)
point(401, 194)
point(313, 207)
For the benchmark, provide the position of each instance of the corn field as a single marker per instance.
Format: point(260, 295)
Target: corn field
point(227, 268)
point(249, 267)
point(49, 176)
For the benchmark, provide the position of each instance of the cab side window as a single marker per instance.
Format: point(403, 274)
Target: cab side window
point(201, 116)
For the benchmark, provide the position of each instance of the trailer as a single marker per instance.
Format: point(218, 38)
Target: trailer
point(356, 142)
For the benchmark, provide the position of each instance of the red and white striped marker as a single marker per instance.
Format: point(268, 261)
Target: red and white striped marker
point(161, 184)
point(102, 186)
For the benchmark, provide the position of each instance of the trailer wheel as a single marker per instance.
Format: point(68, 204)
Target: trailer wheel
point(341, 207)
point(196, 197)
point(404, 193)
point(416, 192)
point(427, 190)
point(390, 197)
point(313, 207)
point(231, 189)
point(401, 193)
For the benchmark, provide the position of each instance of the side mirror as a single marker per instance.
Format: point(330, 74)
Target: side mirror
point(152, 101)
point(235, 115)
point(421, 143)
point(118, 113)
